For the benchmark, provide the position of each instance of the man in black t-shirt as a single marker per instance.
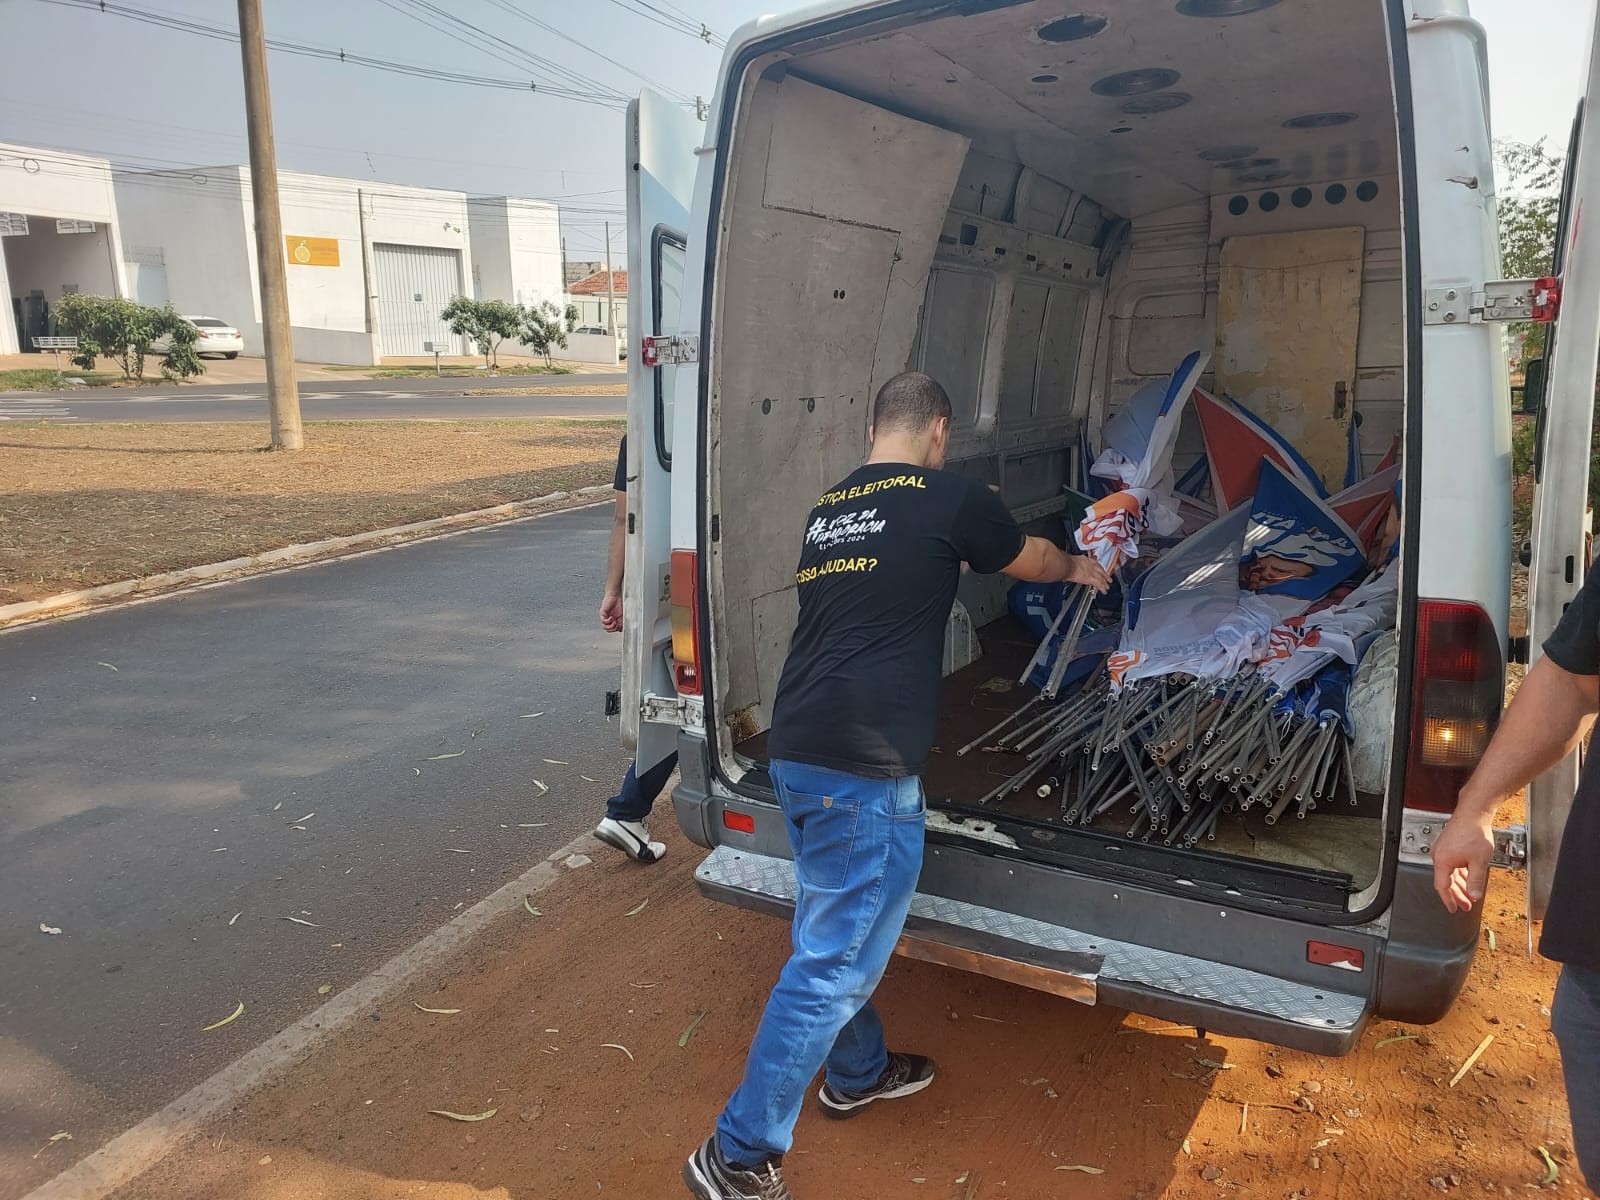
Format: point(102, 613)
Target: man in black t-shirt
point(852, 726)
point(1548, 717)
point(623, 825)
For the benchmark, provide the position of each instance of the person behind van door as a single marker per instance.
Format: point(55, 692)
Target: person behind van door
point(624, 823)
point(852, 726)
point(1550, 714)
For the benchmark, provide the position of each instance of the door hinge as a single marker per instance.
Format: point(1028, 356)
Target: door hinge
point(1517, 650)
point(1499, 300)
point(672, 710)
point(1510, 848)
point(663, 351)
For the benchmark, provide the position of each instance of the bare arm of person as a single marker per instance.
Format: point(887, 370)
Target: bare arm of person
point(1042, 561)
point(1552, 710)
point(611, 602)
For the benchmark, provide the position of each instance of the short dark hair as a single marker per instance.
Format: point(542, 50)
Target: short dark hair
point(910, 402)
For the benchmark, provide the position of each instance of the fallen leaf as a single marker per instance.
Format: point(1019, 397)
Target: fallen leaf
point(235, 917)
point(443, 1012)
point(531, 908)
point(64, 1136)
point(1213, 1065)
point(556, 762)
point(227, 1020)
point(455, 1116)
point(303, 820)
point(1552, 1173)
point(996, 1020)
point(1471, 1058)
point(636, 910)
point(325, 989)
point(683, 1042)
point(586, 778)
point(1399, 1037)
point(440, 758)
point(1084, 1169)
point(615, 1046)
point(298, 921)
point(532, 824)
point(526, 715)
point(416, 770)
point(1322, 1143)
point(453, 850)
point(108, 667)
point(52, 930)
point(644, 985)
point(538, 783)
point(1494, 942)
point(1186, 1148)
point(218, 849)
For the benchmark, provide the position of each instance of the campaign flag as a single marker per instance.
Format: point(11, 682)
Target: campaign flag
point(1237, 443)
point(1111, 526)
point(1364, 506)
point(1352, 451)
point(1296, 548)
point(1140, 437)
point(1302, 646)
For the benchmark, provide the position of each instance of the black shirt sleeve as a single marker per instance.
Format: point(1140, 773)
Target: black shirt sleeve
point(986, 535)
point(620, 483)
point(1575, 644)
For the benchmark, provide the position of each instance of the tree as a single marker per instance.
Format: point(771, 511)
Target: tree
point(541, 329)
point(1529, 188)
point(571, 317)
point(122, 330)
point(486, 322)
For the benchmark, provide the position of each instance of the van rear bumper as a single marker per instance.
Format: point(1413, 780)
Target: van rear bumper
point(1195, 961)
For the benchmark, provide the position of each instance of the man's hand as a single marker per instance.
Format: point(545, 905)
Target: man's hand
point(611, 613)
point(1085, 570)
point(1461, 860)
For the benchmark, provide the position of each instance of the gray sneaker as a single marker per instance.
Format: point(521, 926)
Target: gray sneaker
point(709, 1176)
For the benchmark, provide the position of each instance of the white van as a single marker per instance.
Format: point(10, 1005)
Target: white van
point(1045, 207)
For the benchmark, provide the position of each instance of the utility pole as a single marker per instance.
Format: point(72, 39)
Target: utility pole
point(611, 288)
point(283, 397)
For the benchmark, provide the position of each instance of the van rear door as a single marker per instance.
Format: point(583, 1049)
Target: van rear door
point(662, 140)
point(1561, 464)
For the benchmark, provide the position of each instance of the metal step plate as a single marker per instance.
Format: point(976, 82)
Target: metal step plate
point(773, 881)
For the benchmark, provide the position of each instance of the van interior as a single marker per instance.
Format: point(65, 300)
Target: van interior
point(1046, 209)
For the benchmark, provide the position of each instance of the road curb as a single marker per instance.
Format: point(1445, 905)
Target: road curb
point(130, 1154)
point(65, 603)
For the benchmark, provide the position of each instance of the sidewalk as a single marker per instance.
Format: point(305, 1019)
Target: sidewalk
point(578, 1027)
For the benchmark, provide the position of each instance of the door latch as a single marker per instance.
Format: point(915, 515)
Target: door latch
point(1510, 848)
point(1537, 300)
point(661, 350)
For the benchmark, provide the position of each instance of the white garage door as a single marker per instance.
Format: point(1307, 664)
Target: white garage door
point(414, 285)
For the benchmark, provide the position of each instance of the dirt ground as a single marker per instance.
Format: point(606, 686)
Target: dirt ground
point(82, 505)
point(581, 1027)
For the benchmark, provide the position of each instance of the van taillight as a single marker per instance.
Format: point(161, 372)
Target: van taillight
point(1456, 699)
point(685, 596)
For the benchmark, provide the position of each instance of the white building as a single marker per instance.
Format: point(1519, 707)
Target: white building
point(371, 265)
point(58, 234)
point(516, 249)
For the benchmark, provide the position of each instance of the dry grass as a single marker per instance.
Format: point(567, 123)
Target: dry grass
point(90, 504)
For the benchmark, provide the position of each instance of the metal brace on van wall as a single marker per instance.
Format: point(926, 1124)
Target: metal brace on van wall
point(672, 710)
point(1418, 831)
point(1500, 300)
point(667, 351)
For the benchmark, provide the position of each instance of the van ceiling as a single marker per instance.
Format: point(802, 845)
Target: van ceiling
point(1151, 105)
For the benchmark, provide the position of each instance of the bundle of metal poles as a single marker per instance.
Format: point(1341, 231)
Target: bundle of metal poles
point(1175, 753)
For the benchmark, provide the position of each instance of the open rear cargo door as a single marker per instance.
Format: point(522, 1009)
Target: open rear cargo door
point(662, 140)
point(1561, 463)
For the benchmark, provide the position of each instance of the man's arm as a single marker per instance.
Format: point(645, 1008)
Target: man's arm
point(611, 602)
point(1042, 561)
point(1550, 713)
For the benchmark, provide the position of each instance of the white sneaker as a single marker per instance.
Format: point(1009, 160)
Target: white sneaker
point(632, 838)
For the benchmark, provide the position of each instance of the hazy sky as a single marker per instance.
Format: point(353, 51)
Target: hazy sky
point(77, 79)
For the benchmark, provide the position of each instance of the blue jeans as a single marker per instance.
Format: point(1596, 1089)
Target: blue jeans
point(857, 853)
point(1575, 1020)
point(639, 792)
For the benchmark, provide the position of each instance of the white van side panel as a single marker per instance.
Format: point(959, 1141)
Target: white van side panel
point(1464, 545)
point(822, 270)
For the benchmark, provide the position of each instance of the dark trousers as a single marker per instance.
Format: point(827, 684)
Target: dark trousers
point(639, 792)
point(1575, 1020)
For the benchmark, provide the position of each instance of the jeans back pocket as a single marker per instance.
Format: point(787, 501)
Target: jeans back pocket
point(827, 827)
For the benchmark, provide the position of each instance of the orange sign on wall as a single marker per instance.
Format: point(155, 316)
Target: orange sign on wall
point(313, 252)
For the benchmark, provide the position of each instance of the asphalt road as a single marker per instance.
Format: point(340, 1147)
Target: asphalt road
point(277, 748)
point(339, 400)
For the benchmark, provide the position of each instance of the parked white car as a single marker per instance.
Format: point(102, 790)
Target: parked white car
point(214, 337)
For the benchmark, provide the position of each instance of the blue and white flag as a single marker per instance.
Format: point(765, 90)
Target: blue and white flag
point(1296, 548)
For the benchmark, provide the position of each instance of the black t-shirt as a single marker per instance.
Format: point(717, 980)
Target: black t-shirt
point(1572, 924)
point(877, 578)
point(620, 481)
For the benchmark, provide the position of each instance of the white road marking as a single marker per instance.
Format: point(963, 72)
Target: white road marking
point(130, 1154)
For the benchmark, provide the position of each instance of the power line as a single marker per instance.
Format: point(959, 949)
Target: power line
point(218, 33)
point(678, 24)
point(515, 10)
